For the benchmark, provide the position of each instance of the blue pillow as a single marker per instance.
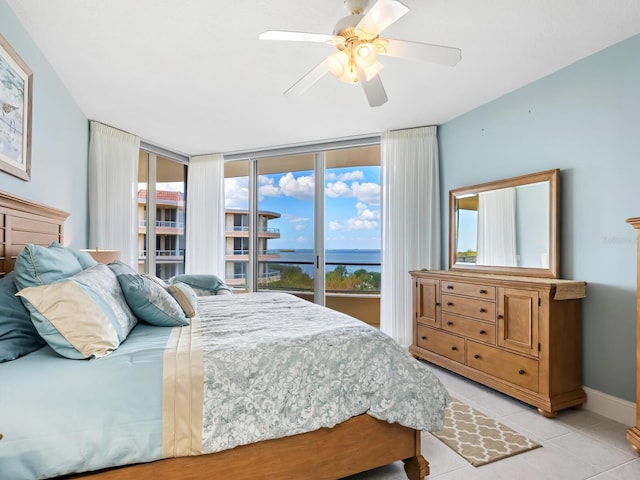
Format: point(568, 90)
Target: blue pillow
point(18, 336)
point(74, 319)
point(203, 284)
point(84, 259)
point(37, 265)
point(150, 302)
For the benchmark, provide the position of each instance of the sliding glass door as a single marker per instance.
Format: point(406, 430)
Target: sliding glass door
point(161, 215)
point(307, 224)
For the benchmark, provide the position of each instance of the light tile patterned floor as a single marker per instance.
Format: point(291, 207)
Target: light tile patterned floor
point(577, 444)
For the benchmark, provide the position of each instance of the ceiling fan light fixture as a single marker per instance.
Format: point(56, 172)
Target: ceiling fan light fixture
point(357, 39)
point(365, 55)
point(349, 76)
point(338, 62)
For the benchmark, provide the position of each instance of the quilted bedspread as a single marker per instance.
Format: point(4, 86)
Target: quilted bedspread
point(275, 365)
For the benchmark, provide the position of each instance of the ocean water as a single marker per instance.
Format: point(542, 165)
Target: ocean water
point(353, 259)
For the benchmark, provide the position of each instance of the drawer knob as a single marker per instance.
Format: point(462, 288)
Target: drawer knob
point(424, 338)
point(483, 291)
point(450, 323)
point(483, 332)
point(476, 356)
point(483, 310)
point(521, 372)
point(454, 348)
point(449, 304)
point(437, 304)
point(449, 287)
point(500, 317)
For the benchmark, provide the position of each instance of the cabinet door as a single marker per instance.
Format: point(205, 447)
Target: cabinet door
point(426, 301)
point(517, 320)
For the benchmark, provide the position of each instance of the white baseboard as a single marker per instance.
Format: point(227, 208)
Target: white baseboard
point(609, 406)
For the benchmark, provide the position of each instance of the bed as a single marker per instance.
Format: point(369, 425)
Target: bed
point(158, 405)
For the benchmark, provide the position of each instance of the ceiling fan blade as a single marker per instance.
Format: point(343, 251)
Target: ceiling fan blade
point(373, 89)
point(309, 79)
point(299, 36)
point(425, 52)
point(382, 14)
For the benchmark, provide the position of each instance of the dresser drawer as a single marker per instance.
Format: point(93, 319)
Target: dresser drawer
point(482, 331)
point(487, 292)
point(442, 343)
point(470, 307)
point(507, 366)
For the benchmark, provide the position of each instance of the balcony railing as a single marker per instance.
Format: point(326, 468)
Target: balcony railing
point(261, 276)
point(244, 228)
point(163, 224)
point(246, 252)
point(164, 253)
point(296, 276)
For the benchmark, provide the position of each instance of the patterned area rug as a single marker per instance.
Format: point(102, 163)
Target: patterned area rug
point(478, 438)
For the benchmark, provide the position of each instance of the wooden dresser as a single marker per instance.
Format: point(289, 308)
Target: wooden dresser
point(633, 434)
point(519, 335)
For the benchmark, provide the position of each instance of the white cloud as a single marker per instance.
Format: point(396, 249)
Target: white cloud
point(300, 226)
point(360, 224)
point(338, 189)
point(292, 219)
point(353, 175)
point(364, 213)
point(267, 188)
point(300, 188)
point(366, 192)
point(365, 219)
point(236, 193)
point(301, 239)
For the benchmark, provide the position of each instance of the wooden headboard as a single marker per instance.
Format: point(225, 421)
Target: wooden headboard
point(23, 221)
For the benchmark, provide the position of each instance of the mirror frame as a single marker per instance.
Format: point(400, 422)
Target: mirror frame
point(553, 177)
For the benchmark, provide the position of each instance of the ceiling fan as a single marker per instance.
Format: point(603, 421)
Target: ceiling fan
point(356, 38)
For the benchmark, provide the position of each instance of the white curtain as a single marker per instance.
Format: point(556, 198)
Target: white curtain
point(113, 191)
point(410, 222)
point(205, 240)
point(497, 228)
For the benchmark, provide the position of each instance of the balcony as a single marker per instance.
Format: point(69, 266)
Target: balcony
point(239, 255)
point(163, 227)
point(165, 256)
point(355, 295)
point(163, 223)
point(243, 231)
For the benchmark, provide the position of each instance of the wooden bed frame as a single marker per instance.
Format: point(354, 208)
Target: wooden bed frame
point(359, 444)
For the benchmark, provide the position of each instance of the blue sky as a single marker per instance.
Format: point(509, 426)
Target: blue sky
point(467, 230)
point(352, 206)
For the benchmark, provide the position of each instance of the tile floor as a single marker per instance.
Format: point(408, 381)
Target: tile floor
point(577, 444)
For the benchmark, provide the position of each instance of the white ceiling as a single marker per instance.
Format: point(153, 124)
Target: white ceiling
point(192, 76)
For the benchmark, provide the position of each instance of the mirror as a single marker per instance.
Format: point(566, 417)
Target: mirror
point(509, 226)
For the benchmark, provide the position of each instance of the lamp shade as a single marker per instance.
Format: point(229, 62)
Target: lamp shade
point(103, 256)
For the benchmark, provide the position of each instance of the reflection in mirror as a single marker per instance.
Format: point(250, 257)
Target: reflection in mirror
point(508, 227)
point(505, 226)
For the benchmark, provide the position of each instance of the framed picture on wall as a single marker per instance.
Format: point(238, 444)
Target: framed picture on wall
point(16, 84)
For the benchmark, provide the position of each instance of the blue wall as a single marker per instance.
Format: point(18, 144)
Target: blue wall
point(585, 120)
point(60, 138)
